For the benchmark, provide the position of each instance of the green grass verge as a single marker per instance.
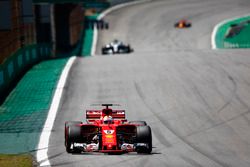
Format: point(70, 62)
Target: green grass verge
point(25, 109)
point(241, 40)
point(23, 113)
point(88, 38)
point(16, 160)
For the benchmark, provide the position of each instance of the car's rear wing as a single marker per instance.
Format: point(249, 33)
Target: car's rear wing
point(92, 115)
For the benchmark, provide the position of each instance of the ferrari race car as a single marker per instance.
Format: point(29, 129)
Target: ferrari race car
point(115, 47)
point(107, 131)
point(182, 24)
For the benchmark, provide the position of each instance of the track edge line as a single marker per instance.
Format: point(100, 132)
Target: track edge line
point(41, 155)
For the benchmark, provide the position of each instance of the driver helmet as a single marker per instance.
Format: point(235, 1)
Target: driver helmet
point(107, 119)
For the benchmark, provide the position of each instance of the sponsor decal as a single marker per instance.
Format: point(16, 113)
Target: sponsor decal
point(109, 136)
point(93, 112)
point(111, 140)
point(108, 131)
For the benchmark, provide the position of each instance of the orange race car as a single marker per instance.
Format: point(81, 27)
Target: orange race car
point(182, 24)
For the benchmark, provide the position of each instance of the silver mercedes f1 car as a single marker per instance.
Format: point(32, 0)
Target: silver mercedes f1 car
point(116, 47)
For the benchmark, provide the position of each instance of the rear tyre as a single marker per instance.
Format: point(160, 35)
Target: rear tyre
point(143, 135)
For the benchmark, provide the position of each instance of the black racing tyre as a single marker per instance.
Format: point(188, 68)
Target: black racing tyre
point(144, 135)
point(67, 124)
point(129, 49)
point(68, 145)
point(104, 51)
point(142, 123)
point(72, 134)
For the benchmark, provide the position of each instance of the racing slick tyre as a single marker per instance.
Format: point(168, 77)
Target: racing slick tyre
point(67, 124)
point(104, 51)
point(141, 123)
point(143, 135)
point(72, 134)
point(129, 50)
point(126, 49)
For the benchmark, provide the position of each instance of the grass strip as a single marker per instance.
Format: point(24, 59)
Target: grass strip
point(88, 37)
point(16, 160)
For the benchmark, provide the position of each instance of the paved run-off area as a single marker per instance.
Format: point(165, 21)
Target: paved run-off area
point(23, 113)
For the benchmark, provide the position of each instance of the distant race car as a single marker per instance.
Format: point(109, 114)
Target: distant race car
point(115, 47)
point(107, 131)
point(182, 24)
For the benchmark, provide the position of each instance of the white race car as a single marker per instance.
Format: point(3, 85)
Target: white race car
point(116, 47)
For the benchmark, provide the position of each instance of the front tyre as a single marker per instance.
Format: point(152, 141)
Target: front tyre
point(68, 144)
point(73, 135)
point(67, 124)
point(144, 135)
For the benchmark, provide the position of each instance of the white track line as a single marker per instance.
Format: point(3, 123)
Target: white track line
point(41, 155)
point(213, 43)
point(103, 14)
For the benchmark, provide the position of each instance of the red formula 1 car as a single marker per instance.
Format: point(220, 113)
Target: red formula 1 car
point(183, 24)
point(107, 131)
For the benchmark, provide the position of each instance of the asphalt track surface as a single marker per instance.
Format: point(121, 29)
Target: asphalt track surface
point(195, 99)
